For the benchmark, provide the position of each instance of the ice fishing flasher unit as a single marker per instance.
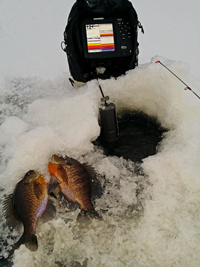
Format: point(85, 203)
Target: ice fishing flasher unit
point(108, 117)
point(101, 41)
point(101, 34)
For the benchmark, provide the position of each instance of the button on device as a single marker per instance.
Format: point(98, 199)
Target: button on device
point(125, 34)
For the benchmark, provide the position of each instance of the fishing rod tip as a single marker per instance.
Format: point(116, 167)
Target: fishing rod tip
point(157, 61)
point(187, 88)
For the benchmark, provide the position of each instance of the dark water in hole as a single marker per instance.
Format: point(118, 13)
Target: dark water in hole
point(5, 263)
point(139, 136)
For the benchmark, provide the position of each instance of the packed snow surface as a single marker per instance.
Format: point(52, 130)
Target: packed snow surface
point(150, 210)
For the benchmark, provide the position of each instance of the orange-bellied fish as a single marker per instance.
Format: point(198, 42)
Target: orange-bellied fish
point(75, 184)
point(26, 205)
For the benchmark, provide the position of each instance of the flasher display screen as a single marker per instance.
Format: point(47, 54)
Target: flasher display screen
point(100, 37)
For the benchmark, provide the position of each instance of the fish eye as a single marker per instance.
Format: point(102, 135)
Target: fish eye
point(68, 163)
point(28, 173)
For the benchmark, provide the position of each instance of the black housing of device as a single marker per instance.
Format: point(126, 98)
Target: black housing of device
point(82, 64)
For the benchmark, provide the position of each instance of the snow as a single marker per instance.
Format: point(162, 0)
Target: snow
point(41, 114)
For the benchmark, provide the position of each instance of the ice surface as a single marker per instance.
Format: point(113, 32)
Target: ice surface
point(151, 210)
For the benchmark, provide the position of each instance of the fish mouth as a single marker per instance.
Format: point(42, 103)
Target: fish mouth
point(37, 175)
point(54, 161)
point(32, 179)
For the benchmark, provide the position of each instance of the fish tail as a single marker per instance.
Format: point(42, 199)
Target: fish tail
point(30, 241)
point(85, 215)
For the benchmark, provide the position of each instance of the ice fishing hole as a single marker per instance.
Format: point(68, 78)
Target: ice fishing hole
point(139, 137)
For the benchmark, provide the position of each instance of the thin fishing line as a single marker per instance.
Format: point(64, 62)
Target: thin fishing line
point(187, 87)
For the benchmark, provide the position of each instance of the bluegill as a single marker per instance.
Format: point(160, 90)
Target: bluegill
point(29, 201)
point(75, 182)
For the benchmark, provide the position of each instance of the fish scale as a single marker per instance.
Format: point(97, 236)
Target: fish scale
point(36, 202)
point(26, 205)
point(75, 183)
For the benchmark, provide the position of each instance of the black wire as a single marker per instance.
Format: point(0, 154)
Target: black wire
point(103, 94)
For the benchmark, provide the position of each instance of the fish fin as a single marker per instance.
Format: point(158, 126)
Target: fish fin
point(55, 192)
point(85, 215)
point(11, 220)
point(69, 205)
point(30, 241)
point(53, 183)
point(90, 170)
point(96, 189)
point(50, 212)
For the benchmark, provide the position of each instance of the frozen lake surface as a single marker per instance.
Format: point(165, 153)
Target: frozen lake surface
point(150, 209)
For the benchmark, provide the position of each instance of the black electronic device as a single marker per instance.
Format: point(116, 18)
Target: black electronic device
point(100, 39)
point(109, 123)
point(106, 38)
